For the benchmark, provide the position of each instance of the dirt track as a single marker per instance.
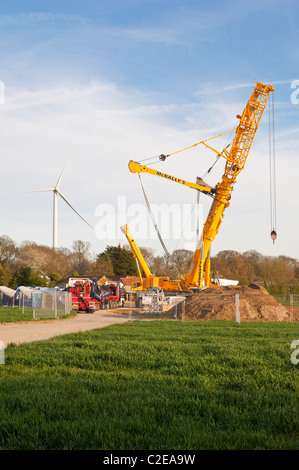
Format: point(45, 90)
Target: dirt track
point(26, 332)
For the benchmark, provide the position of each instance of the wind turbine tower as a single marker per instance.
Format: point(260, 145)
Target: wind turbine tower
point(56, 192)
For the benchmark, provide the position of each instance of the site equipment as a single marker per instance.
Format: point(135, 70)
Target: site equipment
point(110, 295)
point(80, 289)
point(150, 281)
point(198, 274)
point(151, 300)
point(87, 296)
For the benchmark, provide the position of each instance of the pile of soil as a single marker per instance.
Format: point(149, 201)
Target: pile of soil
point(219, 303)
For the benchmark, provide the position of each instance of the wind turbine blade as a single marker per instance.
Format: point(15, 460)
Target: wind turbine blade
point(59, 179)
point(69, 204)
point(37, 191)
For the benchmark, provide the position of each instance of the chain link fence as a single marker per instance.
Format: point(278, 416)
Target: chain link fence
point(51, 304)
point(154, 305)
point(41, 304)
point(291, 302)
point(238, 307)
point(228, 305)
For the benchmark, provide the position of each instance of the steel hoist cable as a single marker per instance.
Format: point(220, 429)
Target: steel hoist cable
point(168, 256)
point(163, 157)
point(272, 170)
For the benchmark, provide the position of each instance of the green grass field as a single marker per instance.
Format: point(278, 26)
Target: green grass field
point(14, 314)
point(154, 385)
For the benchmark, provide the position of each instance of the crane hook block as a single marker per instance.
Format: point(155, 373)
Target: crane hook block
point(273, 235)
point(163, 157)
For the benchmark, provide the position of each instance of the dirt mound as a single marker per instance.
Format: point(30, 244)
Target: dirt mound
point(219, 303)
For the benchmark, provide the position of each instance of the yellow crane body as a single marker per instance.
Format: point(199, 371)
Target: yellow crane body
point(150, 280)
point(135, 167)
point(235, 161)
point(198, 274)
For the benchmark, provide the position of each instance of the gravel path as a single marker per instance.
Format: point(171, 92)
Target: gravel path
point(18, 333)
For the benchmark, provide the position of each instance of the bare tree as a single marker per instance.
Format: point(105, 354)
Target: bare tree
point(8, 249)
point(43, 259)
point(81, 256)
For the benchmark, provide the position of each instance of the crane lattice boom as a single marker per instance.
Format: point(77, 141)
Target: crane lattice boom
point(245, 132)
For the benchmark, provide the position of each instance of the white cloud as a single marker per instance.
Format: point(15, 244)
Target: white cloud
point(106, 131)
point(23, 19)
point(159, 35)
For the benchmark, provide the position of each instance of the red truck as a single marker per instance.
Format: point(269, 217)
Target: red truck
point(111, 295)
point(81, 294)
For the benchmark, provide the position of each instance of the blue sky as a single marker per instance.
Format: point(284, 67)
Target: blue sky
point(109, 81)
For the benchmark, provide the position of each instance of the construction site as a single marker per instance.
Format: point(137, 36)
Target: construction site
point(195, 295)
point(198, 296)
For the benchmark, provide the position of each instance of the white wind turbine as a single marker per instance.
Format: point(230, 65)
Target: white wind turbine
point(56, 191)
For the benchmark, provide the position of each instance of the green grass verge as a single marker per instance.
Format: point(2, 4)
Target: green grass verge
point(287, 303)
point(154, 385)
point(14, 314)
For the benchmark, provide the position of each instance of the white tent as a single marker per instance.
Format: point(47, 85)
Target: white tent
point(7, 291)
point(26, 291)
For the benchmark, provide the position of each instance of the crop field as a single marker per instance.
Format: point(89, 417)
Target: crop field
point(154, 385)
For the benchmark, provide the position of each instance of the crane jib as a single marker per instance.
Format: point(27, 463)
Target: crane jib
point(169, 177)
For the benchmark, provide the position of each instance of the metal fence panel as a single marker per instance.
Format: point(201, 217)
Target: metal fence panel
point(221, 306)
point(51, 304)
point(47, 304)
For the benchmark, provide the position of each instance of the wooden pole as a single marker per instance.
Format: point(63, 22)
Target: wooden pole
point(238, 308)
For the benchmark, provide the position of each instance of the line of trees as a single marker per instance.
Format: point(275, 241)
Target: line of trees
point(278, 275)
point(38, 265)
point(32, 264)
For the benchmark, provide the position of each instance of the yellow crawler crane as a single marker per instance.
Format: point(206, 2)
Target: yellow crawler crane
point(151, 281)
point(198, 274)
point(141, 263)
